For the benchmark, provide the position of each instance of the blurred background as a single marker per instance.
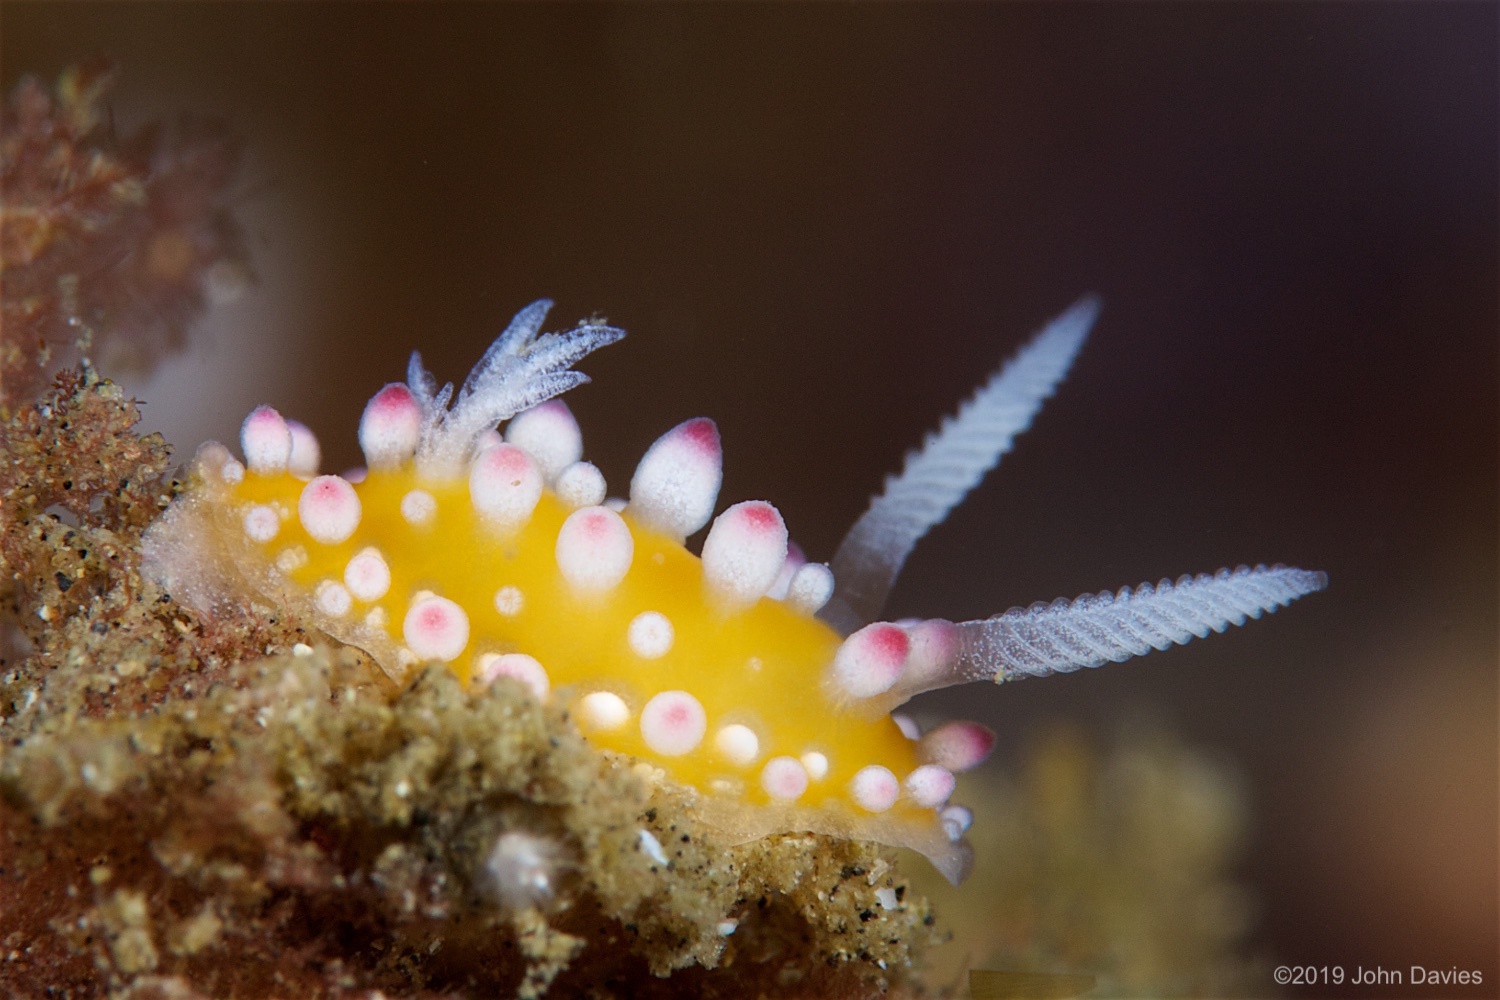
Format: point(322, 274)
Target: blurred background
point(824, 225)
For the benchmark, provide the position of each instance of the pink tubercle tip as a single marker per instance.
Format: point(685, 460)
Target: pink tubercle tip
point(677, 481)
point(436, 629)
point(266, 441)
point(958, 746)
point(784, 778)
point(673, 723)
point(548, 433)
point(795, 558)
point(594, 549)
point(329, 509)
point(526, 669)
point(581, 485)
point(505, 485)
point(874, 788)
point(744, 551)
point(367, 576)
point(811, 587)
point(391, 427)
point(870, 661)
point(929, 786)
point(306, 453)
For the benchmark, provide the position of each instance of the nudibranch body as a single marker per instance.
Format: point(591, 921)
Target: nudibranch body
point(746, 672)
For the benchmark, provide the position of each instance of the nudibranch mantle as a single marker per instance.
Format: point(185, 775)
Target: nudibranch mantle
point(749, 674)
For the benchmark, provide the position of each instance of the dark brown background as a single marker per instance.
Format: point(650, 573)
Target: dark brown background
point(824, 225)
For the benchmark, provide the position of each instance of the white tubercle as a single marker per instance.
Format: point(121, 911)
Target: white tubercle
point(874, 788)
point(811, 587)
point(957, 746)
point(418, 507)
point(333, 599)
point(795, 558)
point(306, 454)
point(509, 600)
point(870, 661)
point(391, 427)
point(211, 460)
point(549, 434)
point(261, 523)
point(673, 723)
point(784, 778)
point(929, 785)
point(329, 509)
point(266, 441)
point(580, 485)
point(956, 821)
point(526, 669)
point(594, 549)
point(816, 765)
point(907, 725)
point(738, 744)
point(487, 439)
point(505, 485)
point(677, 481)
point(367, 576)
point(436, 629)
point(650, 635)
point(743, 552)
point(603, 710)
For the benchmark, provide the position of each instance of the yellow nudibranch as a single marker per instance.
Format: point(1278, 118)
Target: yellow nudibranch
point(746, 672)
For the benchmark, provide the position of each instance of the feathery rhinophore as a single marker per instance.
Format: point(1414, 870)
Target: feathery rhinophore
point(950, 463)
point(518, 371)
point(1095, 629)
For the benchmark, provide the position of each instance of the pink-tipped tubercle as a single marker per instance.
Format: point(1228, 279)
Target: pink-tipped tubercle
point(329, 509)
point(870, 661)
point(958, 746)
point(594, 549)
point(677, 481)
point(744, 551)
point(505, 485)
point(391, 427)
point(266, 441)
point(436, 629)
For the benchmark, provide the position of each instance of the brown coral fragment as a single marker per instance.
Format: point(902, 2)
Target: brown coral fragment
point(113, 244)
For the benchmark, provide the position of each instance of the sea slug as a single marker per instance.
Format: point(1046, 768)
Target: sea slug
point(758, 678)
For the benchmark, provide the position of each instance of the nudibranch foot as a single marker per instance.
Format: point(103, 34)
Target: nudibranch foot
point(746, 672)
